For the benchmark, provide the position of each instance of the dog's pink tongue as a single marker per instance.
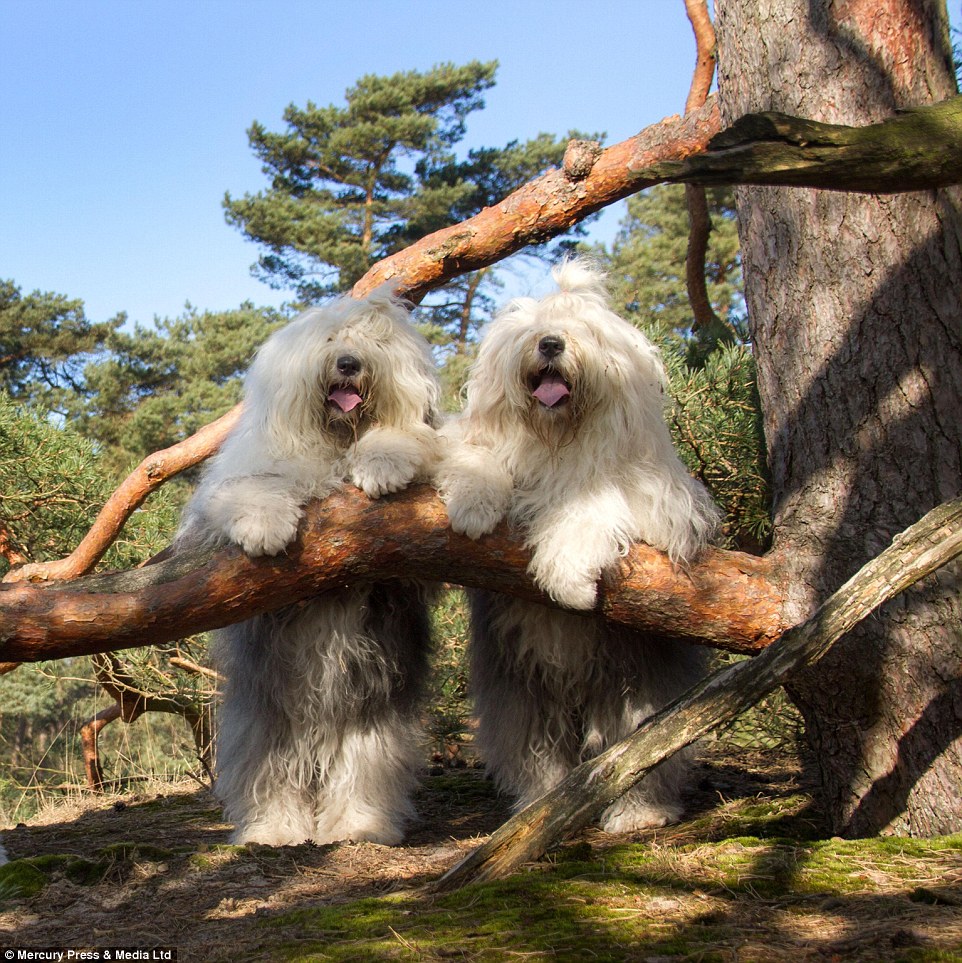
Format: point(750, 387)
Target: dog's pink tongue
point(551, 390)
point(347, 399)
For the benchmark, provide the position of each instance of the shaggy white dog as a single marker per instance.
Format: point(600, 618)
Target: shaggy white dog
point(316, 734)
point(563, 434)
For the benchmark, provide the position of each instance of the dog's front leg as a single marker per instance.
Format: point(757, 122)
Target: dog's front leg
point(387, 459)
point(260, 513)
point(574, 544)
point(476, 490)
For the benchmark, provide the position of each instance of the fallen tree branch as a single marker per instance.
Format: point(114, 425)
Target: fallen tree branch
point(130, 703)
point(727, 599)
point(594, 785)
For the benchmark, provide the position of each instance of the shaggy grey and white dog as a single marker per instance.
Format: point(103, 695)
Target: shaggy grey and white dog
point(317, 731)
point(563, 434)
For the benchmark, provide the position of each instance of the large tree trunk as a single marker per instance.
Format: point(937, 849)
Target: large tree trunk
point(856, 313)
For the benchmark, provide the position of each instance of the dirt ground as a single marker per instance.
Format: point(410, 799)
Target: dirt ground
point(152, 870)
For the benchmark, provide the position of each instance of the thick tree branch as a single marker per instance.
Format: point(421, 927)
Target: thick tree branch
point(546, 206)
point(589, 789)
point(727, 599)
point(914, 150)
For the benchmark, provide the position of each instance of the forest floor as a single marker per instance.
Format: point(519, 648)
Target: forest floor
point(750, 875)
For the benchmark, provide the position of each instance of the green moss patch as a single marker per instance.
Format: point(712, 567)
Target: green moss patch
point(632, 902)
point(20, 880)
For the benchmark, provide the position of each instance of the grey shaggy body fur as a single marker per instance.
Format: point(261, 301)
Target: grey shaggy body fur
point(563, 434)
point(317, 732)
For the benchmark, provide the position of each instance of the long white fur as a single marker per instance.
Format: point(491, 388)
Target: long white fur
point(583, 480)
point(317, 730)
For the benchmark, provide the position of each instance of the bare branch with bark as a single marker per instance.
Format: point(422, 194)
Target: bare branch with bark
point(150, 474)
point(699, 220)
point(130, 703)
point(727, 599)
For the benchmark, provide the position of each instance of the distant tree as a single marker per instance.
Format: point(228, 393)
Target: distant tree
point(52, 484)
point(45, 340)
point(51, 487)
point(647, 266)
point(342, 180)
point(155, 386)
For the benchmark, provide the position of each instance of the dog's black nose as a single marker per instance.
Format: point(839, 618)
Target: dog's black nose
point(348, 365)
point(551, 345)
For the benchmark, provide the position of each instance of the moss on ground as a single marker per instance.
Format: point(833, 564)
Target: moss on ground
point(753, 878)
point(28, 877)
point(626, 900)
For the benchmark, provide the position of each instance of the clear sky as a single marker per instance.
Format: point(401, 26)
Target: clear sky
point(123, 122)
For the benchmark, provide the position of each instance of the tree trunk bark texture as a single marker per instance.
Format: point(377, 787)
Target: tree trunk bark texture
point(855, 308)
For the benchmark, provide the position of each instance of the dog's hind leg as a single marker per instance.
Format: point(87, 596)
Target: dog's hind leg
point(259, 786)
point(649, 673)
point(655, 801)
point(367, 785)
point(528, 727)
point(260, 776)
point(367, 790)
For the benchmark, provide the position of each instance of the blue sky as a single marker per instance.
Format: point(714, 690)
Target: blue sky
point(124, 121)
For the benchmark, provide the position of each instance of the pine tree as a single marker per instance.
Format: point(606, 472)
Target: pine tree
point(647, 265)
point(45, 339)
point(157, 385)
point(52, 484)
point(342, 179)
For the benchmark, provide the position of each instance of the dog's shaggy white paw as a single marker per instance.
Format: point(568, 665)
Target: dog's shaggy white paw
point(267, 530)
point(267, 835)
point(359, 827)
point(635, 815)
point(255, 514)
point(378, 475)
point(474, 518)
point(566, 581)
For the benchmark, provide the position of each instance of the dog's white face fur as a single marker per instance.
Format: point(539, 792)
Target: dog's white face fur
point(563, 368)
point(335, 372)
point(344, 393)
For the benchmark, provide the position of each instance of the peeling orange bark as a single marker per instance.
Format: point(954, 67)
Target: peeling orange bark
point(727, 599)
